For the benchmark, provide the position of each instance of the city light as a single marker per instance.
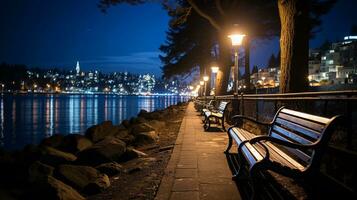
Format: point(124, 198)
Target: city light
point(202, 83)
point(214, 69)
point(205, 78)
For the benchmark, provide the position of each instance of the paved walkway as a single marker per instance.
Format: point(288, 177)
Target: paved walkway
point(197, 168)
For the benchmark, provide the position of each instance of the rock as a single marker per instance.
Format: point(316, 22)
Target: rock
point(146, 138)
point(110, 169)
point(122, 134)
point(52, 188)
point(125, 123)
point(85, 178)
point(75, 143)
point(53, 141)
point(107, 150)
point(55, 157)
point(39, 172)
point(103, 130)
point(166, 148)
point(132, 153)
point(143, 127)
point(158, 125)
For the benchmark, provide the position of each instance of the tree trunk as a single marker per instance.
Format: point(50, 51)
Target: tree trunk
point(224, 62)
point(247, 62)
point(294, 45)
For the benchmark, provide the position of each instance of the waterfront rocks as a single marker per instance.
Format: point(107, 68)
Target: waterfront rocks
point(75, 143)
point(142, 127)
point(85, 162)
point(52, 188)
point(132, 153)
point(110, 169)
point(103, 130)
point(85, 178)
point(39, 172)
point(145, 138)
point(54, 141)
point(107, 150)
point(55, 157)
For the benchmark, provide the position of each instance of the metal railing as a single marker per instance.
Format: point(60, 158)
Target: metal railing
point(343, 144)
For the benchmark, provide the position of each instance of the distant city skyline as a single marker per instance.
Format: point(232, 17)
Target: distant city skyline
point(51, 34)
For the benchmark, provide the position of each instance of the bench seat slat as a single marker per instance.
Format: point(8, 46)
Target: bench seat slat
point(291, 125)
point(303, 122)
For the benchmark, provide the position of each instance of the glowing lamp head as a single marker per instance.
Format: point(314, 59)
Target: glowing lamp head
point(214, 69)
point(202, 82)
point(205, 78)
point(191, 87)
point(236, 39)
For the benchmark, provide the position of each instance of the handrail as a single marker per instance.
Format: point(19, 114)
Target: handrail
point(328, 95)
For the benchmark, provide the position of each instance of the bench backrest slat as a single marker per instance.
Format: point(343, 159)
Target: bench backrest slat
point(222, 106)
point(302, 128)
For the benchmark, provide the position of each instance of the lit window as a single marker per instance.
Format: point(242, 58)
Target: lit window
point(330, 62)
point(324, 58)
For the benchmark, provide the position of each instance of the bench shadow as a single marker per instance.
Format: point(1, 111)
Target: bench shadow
point(275, 186)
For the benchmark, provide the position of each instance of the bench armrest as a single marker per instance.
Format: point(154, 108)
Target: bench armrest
point(281, 142)
point(240, 117)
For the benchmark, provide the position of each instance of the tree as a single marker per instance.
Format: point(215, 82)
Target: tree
point(298, 18)
point(272, 63)
point(255, 69)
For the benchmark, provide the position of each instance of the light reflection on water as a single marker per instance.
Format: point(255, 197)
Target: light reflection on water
point(28, 119)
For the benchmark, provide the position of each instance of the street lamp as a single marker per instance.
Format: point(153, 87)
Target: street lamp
point(237, 39)
point(205, 79)
point(214, 71)
point(201, 84)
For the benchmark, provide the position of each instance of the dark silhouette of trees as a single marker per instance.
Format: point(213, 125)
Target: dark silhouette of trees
point(255, 69)
point(298, 20)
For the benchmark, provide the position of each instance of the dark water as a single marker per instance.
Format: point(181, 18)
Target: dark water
point(27, 119)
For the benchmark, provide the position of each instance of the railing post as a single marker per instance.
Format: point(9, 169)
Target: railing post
point(235, 105)
point(242, 102)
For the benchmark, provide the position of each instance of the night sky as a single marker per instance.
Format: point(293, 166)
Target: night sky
point(57, 33)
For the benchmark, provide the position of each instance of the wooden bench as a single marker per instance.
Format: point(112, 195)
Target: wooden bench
point(213, 113)
point(293, 146)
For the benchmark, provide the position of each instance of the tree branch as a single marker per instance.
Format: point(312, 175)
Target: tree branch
point(204, 15)
point(219, 8)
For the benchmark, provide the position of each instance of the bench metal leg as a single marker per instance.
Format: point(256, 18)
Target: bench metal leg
point(223, 124)
point(229, 142)
point(253, 173)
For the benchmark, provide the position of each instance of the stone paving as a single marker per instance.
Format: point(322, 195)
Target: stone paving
point(198, 167)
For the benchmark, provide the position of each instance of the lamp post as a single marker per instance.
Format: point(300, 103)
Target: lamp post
point(236, 41)
point(201, 84)
point(205, 79)
point(214, 71)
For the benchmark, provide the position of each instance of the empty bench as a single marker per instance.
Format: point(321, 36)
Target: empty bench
point(293, 146)
point(216, 114)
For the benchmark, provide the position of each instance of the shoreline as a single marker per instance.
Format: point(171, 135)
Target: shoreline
point(101, 155)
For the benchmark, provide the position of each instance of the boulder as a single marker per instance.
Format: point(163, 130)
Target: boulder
point(110, 169)
point(85, 178)
point(144, 138)
point(75, 143)
point(54, 141)
point(103, 130)
point(107, 150)
point(122, 134)
point(52, 188)
point(125, 123)
point(158, 125)
point(39, 172)
point(132, 153)
point(55, 157)
point(142, 127)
